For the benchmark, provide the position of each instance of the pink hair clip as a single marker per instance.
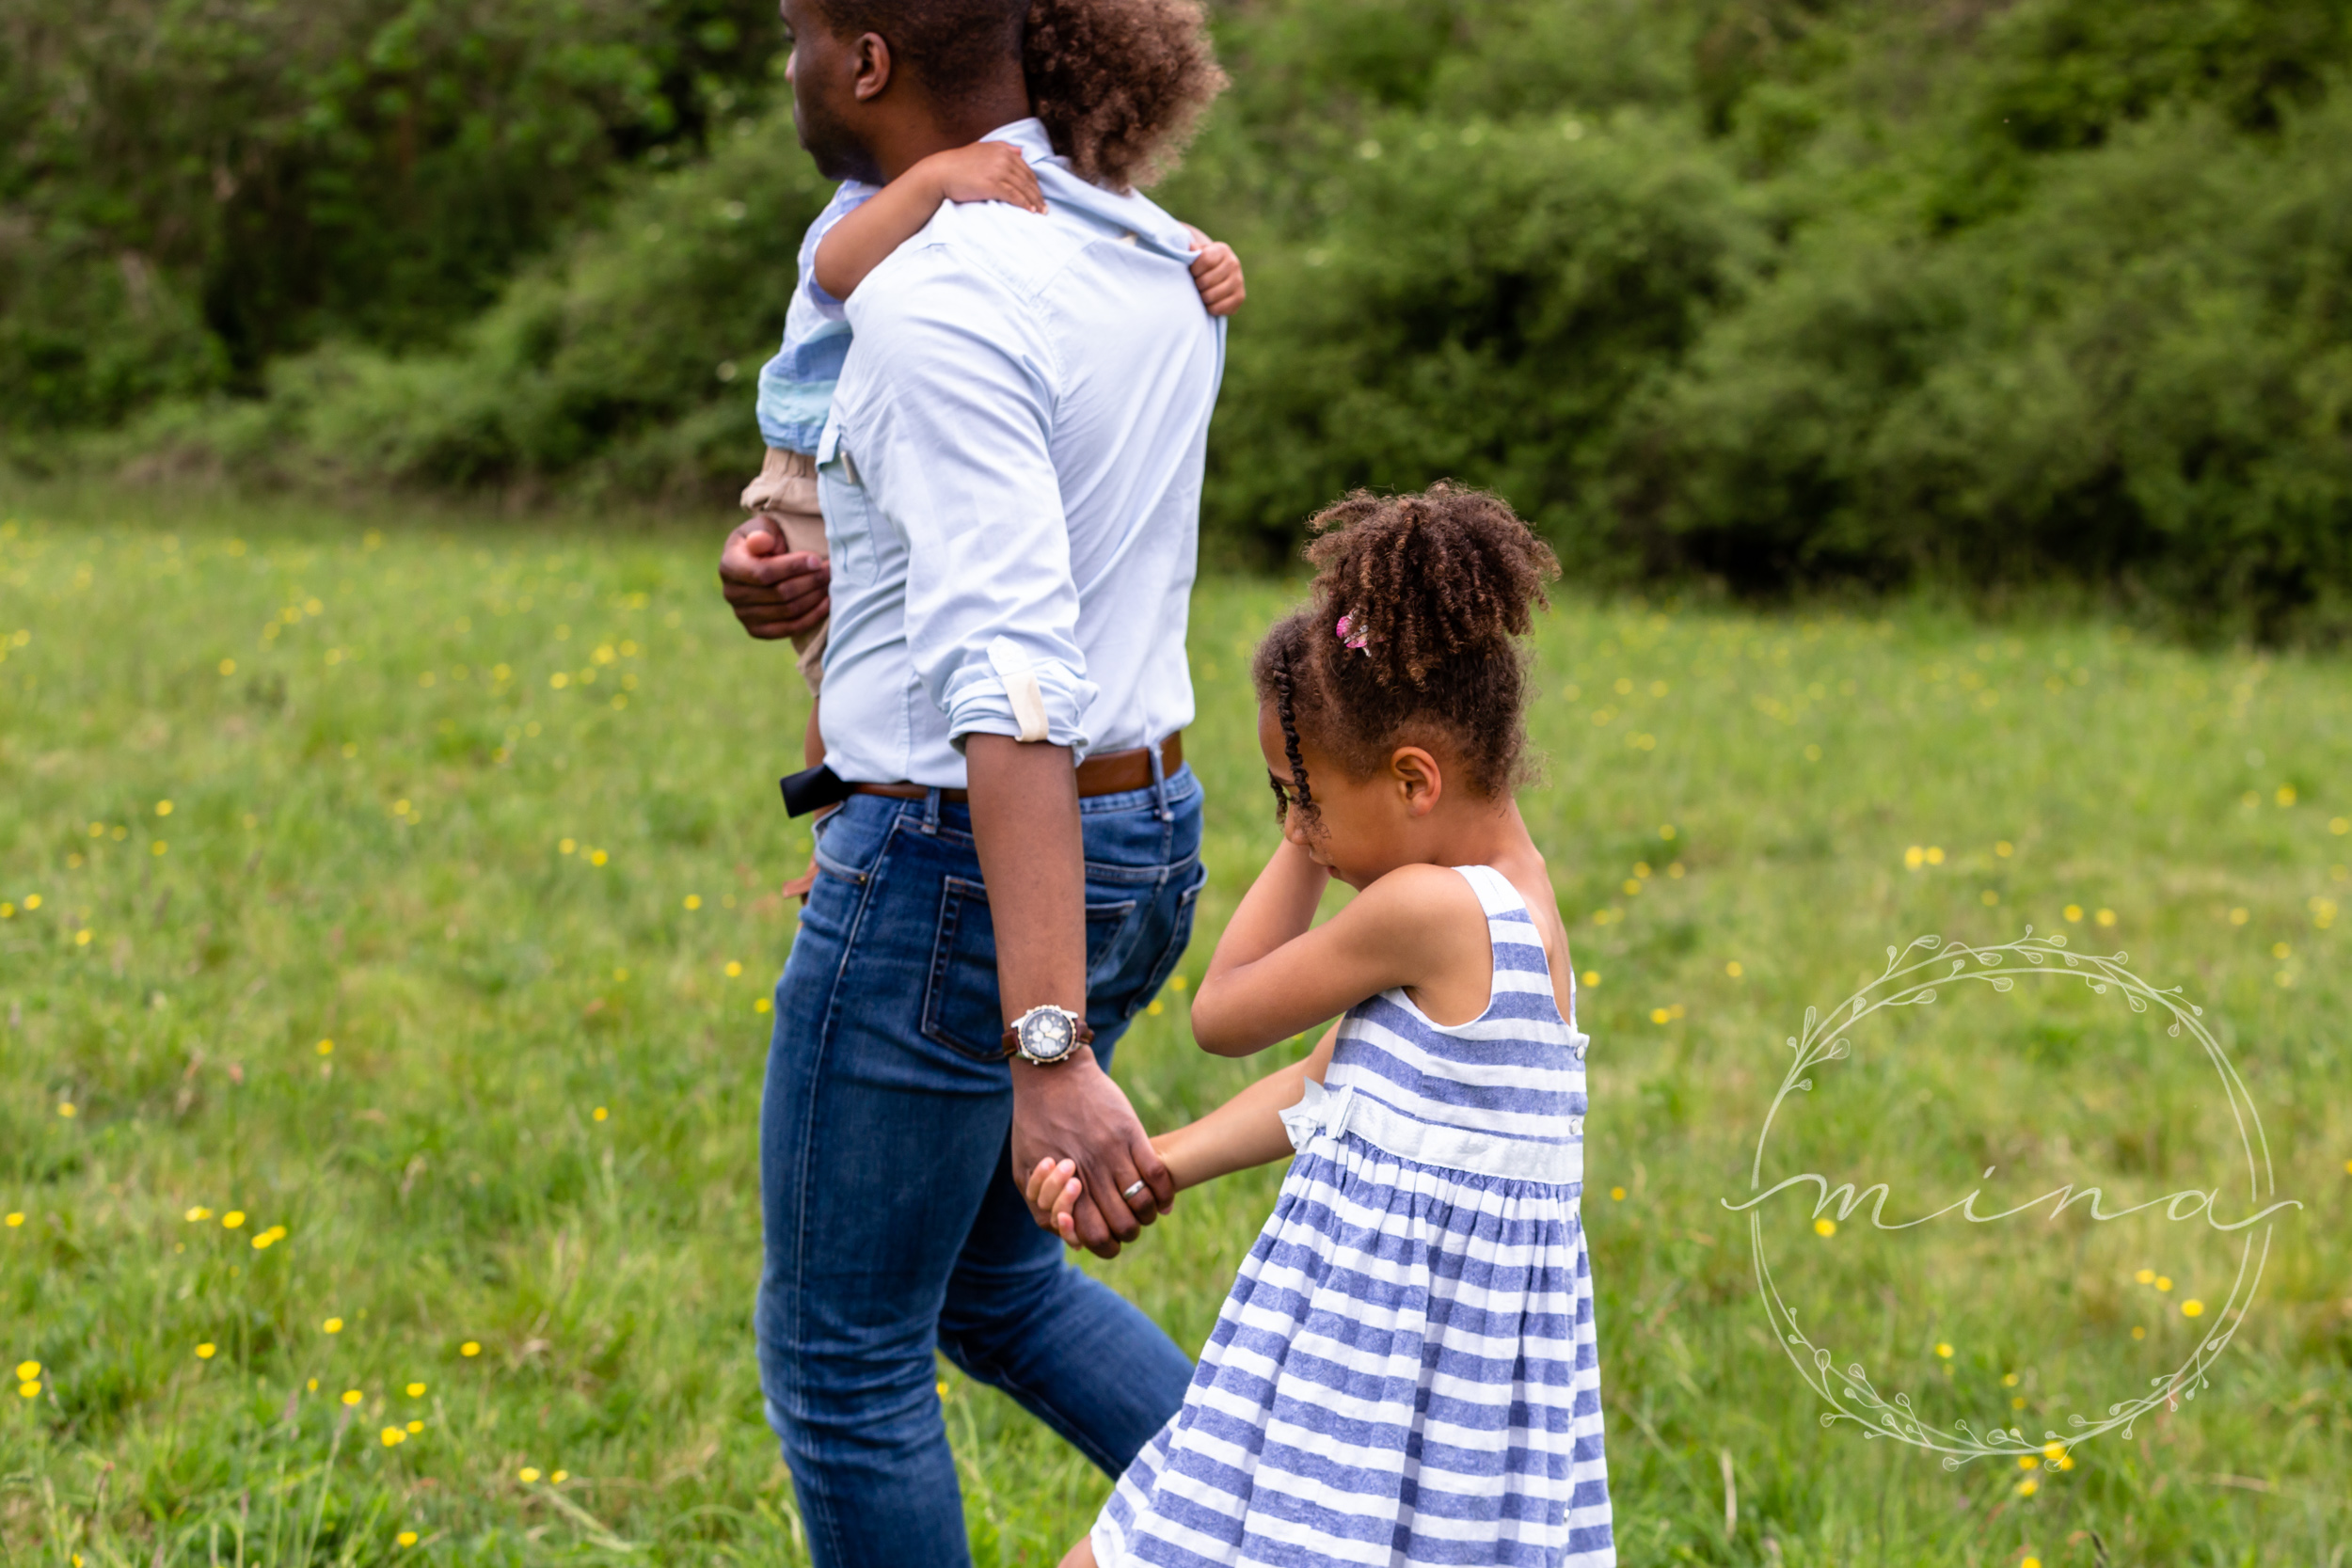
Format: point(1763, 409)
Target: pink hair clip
point(1355, 642)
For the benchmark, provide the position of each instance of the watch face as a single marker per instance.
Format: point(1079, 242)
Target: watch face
point(1047, 1035)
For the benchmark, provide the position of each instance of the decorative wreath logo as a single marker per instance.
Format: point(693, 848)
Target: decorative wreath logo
point(1911, 979)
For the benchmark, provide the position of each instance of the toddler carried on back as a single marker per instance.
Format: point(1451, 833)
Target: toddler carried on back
point(1117, 85)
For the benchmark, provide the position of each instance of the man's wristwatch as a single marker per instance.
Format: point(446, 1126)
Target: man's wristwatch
point(1047, 1035)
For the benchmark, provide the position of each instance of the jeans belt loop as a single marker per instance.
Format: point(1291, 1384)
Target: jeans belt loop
point(930, 812)
point(1159, 782)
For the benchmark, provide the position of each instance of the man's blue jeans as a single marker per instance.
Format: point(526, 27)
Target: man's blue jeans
point(893, 1229)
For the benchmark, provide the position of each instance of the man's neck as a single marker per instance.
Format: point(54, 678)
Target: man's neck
point(901, 144)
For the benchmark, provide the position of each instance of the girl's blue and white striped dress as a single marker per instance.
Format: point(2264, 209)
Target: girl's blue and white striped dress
point(1405, 1371)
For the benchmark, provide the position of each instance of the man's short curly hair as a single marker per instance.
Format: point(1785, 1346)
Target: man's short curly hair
point(1120, 84)
point(949, 45)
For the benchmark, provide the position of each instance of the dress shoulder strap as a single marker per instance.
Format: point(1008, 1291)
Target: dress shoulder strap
point(1502, 901)
point(1496, 894)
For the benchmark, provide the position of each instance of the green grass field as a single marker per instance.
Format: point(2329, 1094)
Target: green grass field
point(491, 807)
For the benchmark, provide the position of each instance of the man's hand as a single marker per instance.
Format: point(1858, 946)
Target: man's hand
point(773, 592)
point(1071, 1112)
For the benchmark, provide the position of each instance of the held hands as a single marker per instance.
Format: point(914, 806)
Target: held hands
point(1053, 1191)
point(1216, 272)
point(984, 171)
point(1075, 1107)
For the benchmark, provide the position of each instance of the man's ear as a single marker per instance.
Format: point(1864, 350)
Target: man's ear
point(1419, 779)
point(873, 52)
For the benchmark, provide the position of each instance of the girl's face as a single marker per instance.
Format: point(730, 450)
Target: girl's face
point(1363, 828)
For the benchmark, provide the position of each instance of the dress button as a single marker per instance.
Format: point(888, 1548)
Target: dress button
point(1576, 1125)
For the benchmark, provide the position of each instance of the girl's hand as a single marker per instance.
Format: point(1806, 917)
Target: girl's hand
point(1052, 1191)
point(985, 171)
point(1216, 272)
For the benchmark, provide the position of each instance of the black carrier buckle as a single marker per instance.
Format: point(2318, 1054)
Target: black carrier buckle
point(813, 789)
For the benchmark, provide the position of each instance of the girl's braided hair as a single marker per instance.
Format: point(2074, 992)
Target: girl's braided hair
point(1434, 590)
point(1120, 84)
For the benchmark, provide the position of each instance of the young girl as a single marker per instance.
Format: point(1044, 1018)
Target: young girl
point(1405, 1371)
point(1118, 84)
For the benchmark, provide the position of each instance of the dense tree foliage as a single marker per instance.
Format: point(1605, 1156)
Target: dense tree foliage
point(1766, 289)
point(192, 187)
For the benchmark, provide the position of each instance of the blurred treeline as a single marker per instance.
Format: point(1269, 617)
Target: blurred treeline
point(1767, 290)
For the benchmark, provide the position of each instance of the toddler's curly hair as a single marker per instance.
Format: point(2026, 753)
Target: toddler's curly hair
point(1412, 632)
point(1120, 84)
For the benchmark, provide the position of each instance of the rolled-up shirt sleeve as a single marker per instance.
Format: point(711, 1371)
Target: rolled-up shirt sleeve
point(960, 461)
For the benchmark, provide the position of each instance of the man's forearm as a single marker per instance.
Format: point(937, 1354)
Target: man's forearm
point(1025, 826)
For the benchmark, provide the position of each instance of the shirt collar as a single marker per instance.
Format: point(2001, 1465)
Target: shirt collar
point(1028, 136)
point(1130, 215)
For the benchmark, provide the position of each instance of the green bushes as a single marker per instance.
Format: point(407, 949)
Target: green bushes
point(1480, 300)
point(2144, 374)
point(264, 175)
point(1768, 290)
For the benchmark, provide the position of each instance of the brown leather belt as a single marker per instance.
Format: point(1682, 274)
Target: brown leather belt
point(1104, 774)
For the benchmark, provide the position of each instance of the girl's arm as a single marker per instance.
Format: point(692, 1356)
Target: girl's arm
point(859, 242)
point(1245, 1131)
point(1272, 975)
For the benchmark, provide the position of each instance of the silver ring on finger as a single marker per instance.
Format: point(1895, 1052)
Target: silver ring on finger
point(1134, 1190)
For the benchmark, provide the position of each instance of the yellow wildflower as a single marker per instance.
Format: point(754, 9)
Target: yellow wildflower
point(333, 1325)
point(392, 1437)
point(204, 1353)
point(353, 1396)
point(416, 1390)
point(469, 1348)
point(406, 1538)
point(527, 1474)
point(233, 1220)
point(1825, 1227)
point(2192, 1308)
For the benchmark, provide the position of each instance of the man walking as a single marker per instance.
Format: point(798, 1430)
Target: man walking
point(1011, 481)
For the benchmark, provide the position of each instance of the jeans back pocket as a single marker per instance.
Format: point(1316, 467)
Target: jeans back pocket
point(960, 1006)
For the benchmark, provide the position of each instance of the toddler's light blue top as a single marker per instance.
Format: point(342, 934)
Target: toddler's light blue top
point(796, 387)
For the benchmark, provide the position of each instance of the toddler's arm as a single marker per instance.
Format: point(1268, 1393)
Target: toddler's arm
point(1216, 272)
point(1245, 1131)
point(984, 171)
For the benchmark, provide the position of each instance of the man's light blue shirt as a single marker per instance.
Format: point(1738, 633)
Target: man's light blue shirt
point(1014, 452)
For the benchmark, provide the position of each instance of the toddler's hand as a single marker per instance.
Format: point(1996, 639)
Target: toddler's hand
point(1052, 1191)
point(1216, 272)
point(986, 171)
